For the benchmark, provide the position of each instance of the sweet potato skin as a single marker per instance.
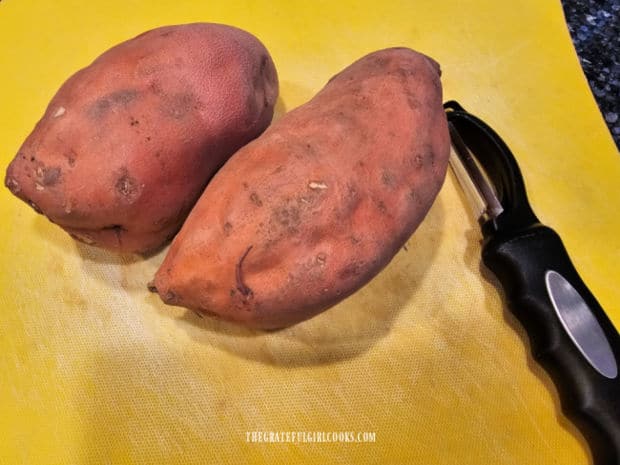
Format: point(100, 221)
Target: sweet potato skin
point(128, 143)
point(309, 212)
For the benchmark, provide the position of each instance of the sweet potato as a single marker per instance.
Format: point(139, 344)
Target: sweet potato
point(127, 144)
point(310, 211)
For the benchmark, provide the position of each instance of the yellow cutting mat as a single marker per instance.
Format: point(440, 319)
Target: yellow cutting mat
point(96, 370)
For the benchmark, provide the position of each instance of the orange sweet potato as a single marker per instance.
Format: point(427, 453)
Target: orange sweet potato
point(310, 211)
point(127, 144)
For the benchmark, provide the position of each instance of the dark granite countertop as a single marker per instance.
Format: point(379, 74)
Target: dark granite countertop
point(595, 28)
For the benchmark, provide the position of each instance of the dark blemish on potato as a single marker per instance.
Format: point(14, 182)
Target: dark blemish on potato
point(354, 240)
point(287, 216)
point(388, 178)
point(154, 86)
point(381, 61)
point(413, 103)
point(151, 286)
point(321, 258)
point(351, 270)
point(32, 158)
point(279, 169)
point(179, 105)
point(381, 206)
point(227, 229)
point(256, 200)
point(425, 156)
point(245, 185)
point(171, 298)
point(133, 122)
point(148, 138)
point(345, 208)
point(309, 149)
point(166, 33)
point(361, 164)
point(122, 97)
point(50, 176)
point(418, 161)
point(241, 286)
point(99, 108)
point(71, 156)
point(127, 187)
point(232, 292)
point(115, 99)
point(262, 71)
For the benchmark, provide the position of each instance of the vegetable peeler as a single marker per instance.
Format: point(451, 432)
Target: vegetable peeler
point(570, 334)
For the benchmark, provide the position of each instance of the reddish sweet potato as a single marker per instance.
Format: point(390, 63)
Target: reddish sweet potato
point(310, 211)
point(127, 145)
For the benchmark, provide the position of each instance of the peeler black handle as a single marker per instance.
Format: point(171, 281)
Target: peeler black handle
point(570, 334)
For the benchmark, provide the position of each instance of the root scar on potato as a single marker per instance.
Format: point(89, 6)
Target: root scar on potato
point(241, 286)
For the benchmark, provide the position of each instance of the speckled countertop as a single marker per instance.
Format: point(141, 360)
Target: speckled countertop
point(595, 28)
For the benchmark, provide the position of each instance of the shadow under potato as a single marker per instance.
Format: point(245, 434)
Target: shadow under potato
point(346, 330)
point(61, 240)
